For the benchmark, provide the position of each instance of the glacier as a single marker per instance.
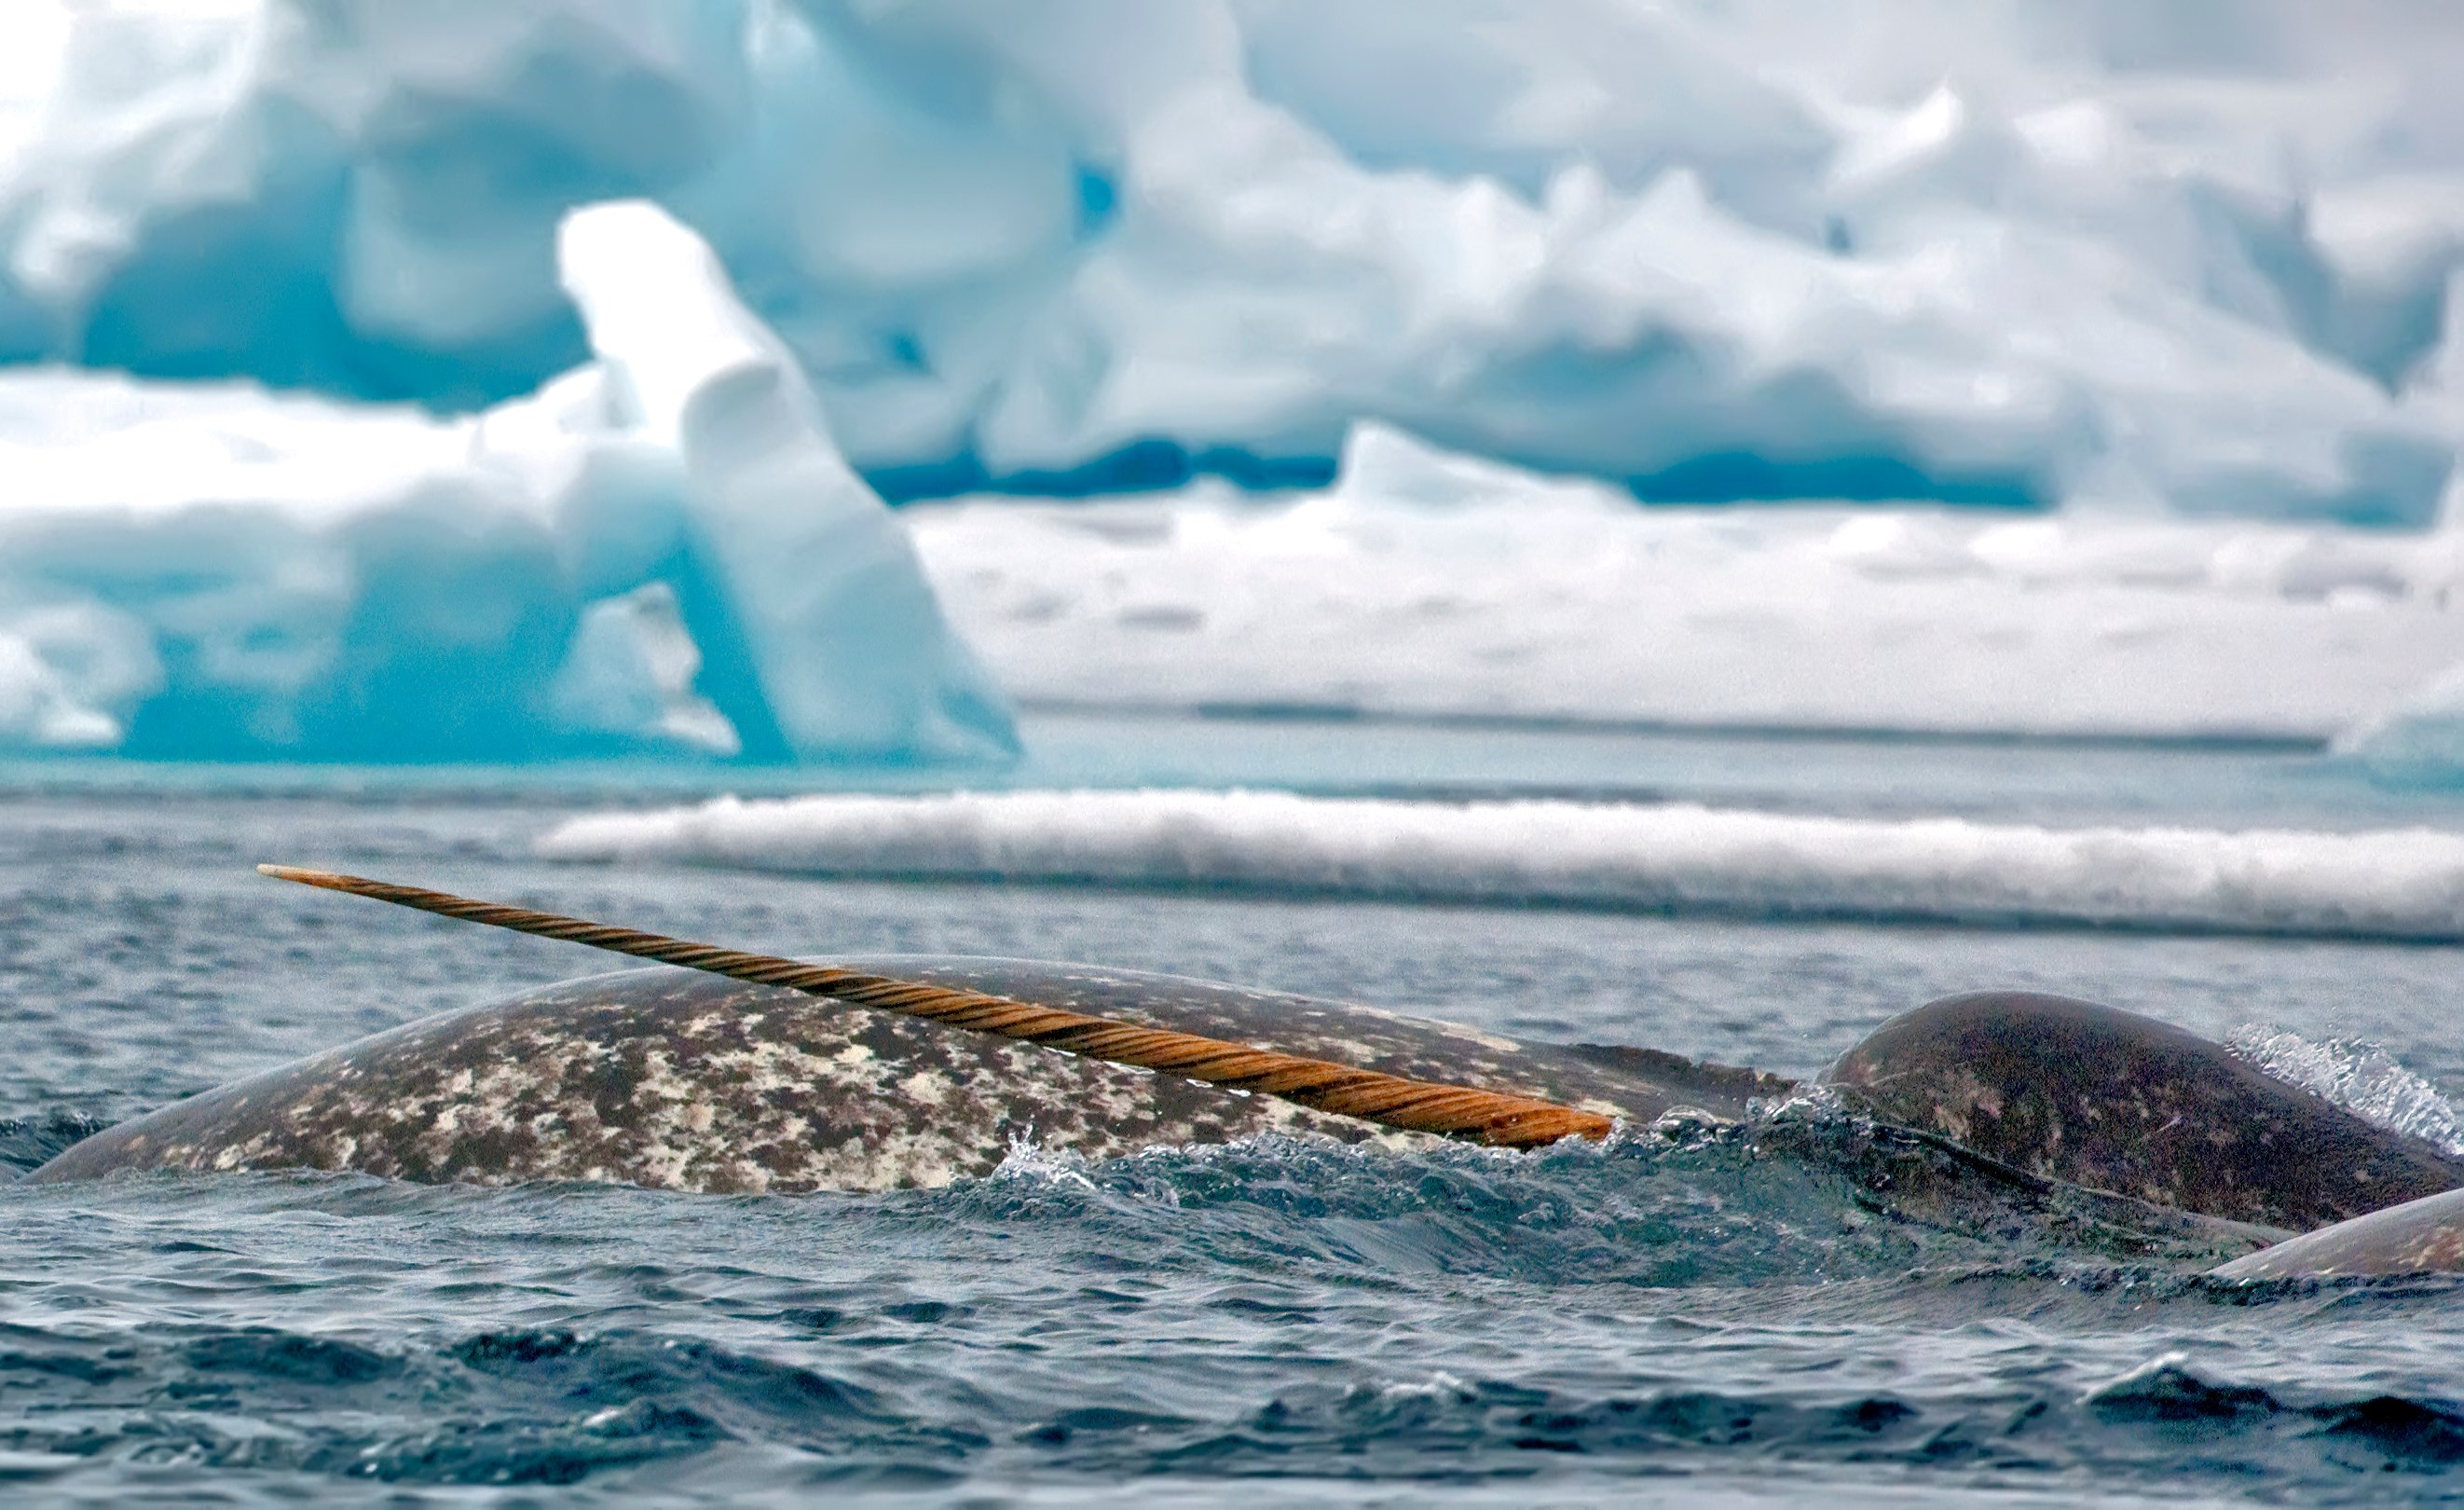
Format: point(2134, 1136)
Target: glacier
point(660, 552)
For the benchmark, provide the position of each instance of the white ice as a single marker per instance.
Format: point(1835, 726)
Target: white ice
point(660, 551)
point(2397, 884)
point(1428, 584)
point(2419, 739)
point(2173, 258)
point(2108, 354)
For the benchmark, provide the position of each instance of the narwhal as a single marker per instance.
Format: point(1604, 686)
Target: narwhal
point(754, 1072)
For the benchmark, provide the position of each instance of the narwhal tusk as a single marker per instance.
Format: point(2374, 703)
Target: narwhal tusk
point(1389, 1101)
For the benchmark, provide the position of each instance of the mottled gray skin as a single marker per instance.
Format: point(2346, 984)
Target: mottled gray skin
point(2424, 1237)
point(680, 1080)
point(674, 1079)
point(2101, 1098)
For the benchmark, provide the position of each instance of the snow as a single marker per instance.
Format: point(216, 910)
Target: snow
point(661, 552)
point(1669, 858)
point(1425, 583)
point(2026, 254)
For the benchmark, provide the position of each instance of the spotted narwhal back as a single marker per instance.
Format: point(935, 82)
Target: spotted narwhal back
point(674, 1079)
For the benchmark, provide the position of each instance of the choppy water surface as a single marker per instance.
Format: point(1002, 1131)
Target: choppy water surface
point(1286, 1324)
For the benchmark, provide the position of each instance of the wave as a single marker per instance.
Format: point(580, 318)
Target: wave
point(27, 1143)
point(1675, 857)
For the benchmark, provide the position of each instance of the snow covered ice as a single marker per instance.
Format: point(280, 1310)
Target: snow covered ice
point(1427, 584)
point(2115, 347)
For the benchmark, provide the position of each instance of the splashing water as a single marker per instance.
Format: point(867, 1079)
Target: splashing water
point(1029, 1162)
point(2357, 1074)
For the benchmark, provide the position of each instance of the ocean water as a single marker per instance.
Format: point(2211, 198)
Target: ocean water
point(1281, 1324)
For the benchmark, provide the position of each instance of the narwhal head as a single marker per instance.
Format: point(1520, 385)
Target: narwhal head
point(2095, 1095)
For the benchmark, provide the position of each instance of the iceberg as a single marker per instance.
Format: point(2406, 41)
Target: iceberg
point(2417, 739)
point(2018, 256)
point(660, 551)
point(508, 378)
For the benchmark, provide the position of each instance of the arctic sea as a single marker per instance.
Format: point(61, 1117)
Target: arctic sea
point(1281, 1324)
